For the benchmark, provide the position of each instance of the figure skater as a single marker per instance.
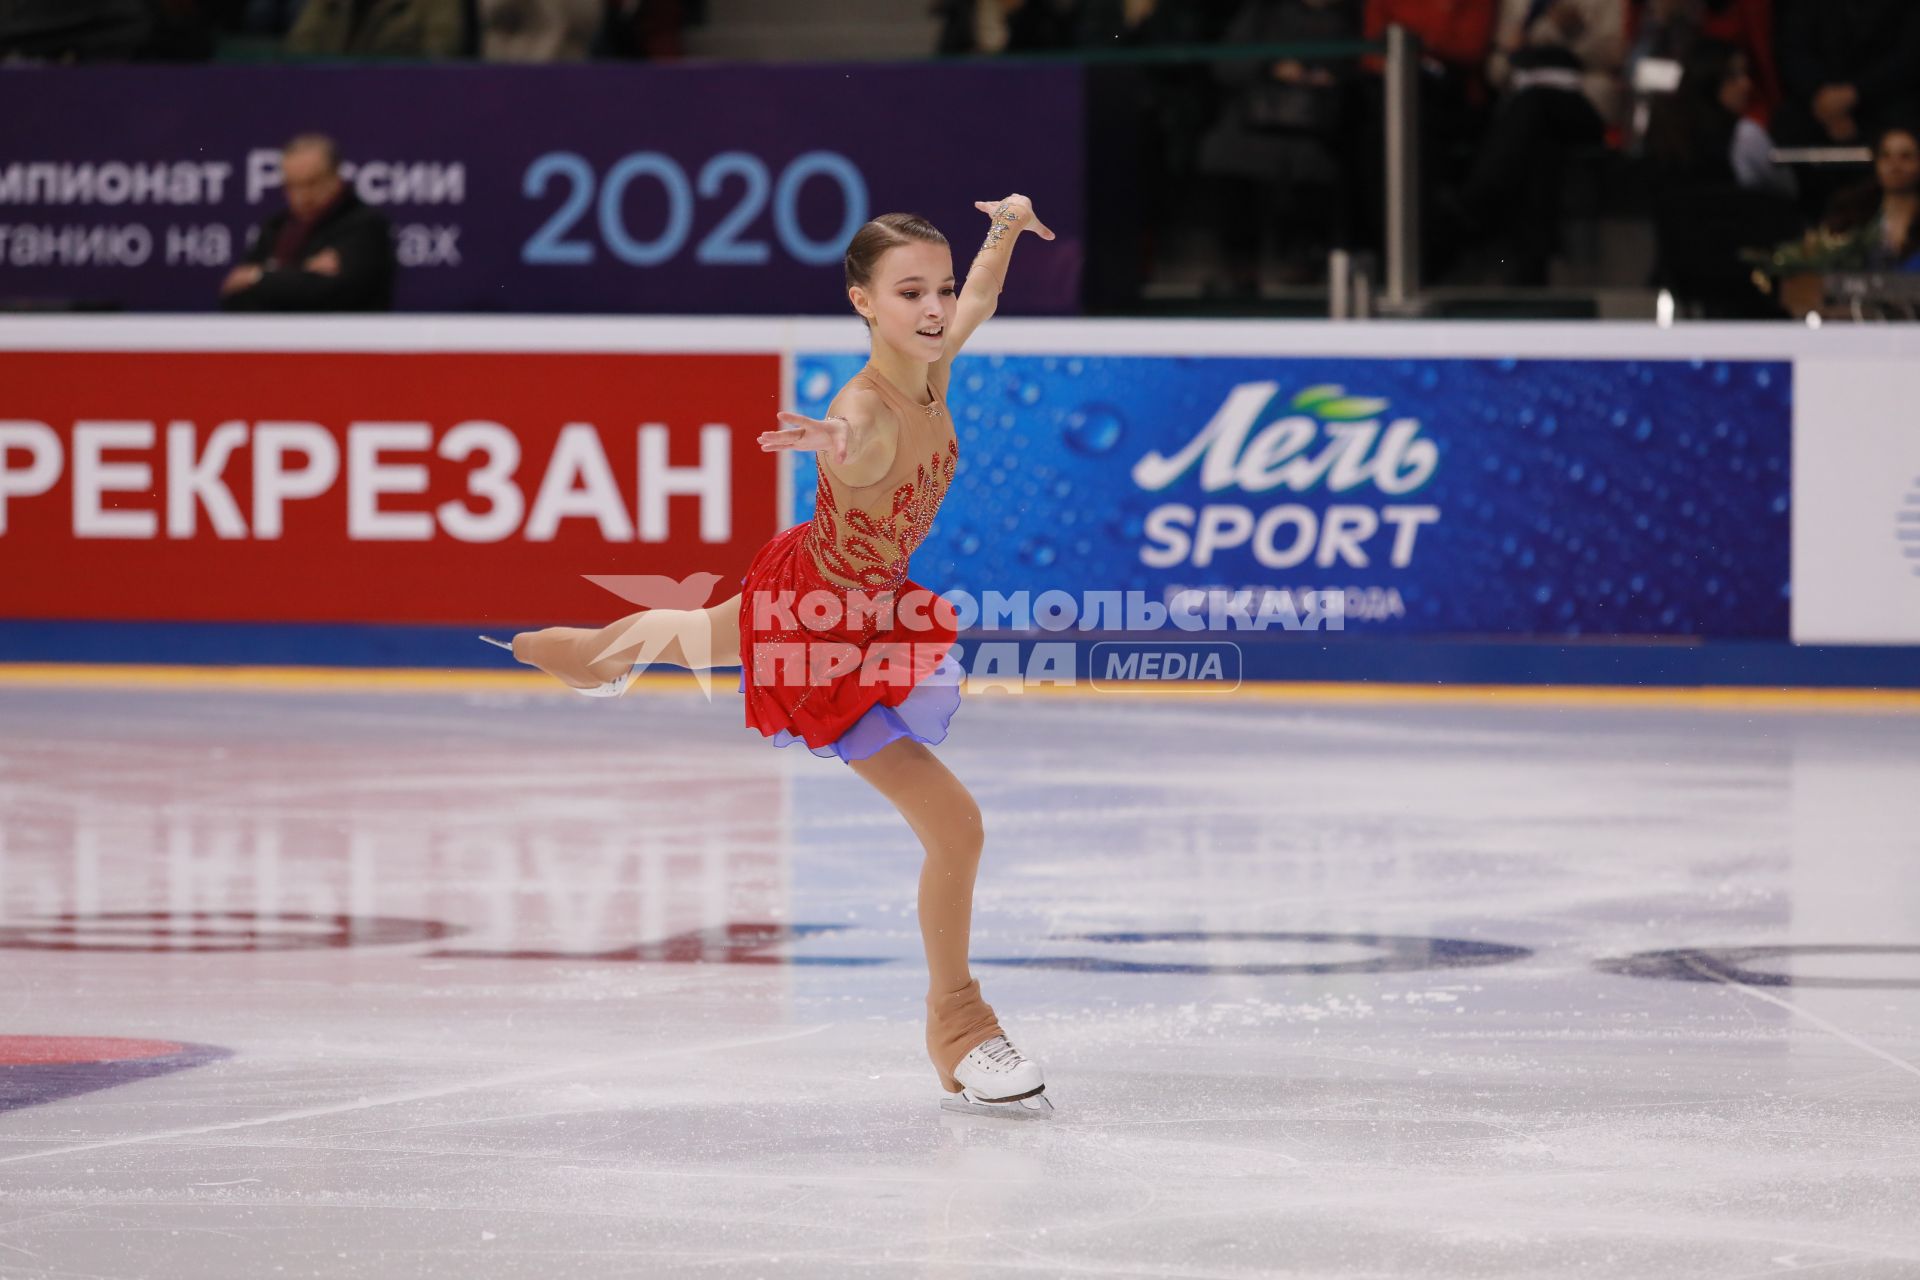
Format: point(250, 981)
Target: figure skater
point(873, 688)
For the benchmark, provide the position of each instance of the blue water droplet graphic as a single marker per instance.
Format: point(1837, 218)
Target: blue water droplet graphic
point(1038, 552)
point(1093, 430)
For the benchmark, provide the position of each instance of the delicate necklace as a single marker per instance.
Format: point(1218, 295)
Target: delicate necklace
point(931, 408)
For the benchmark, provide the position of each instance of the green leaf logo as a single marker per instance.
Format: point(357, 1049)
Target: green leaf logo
point(1351, 409)
point(1331, 403)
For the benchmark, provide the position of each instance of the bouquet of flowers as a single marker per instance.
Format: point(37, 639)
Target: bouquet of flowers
point(1819, 252)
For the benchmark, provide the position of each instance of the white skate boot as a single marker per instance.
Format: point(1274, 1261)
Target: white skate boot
point(996, 1079)
point(608, 689)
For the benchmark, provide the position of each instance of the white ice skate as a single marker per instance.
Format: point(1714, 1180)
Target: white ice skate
point(607, 689)
point(996, 1079)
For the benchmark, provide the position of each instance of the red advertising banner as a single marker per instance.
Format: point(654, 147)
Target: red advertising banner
point(475, 488)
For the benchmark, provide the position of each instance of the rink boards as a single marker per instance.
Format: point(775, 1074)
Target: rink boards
point(1612, 504)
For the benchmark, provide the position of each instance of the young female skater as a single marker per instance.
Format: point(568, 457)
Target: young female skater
point(886, 452)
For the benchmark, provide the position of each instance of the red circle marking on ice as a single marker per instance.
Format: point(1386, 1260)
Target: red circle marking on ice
point(18, 1051)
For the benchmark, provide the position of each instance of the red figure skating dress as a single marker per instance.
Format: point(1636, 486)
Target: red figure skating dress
point(905, 684)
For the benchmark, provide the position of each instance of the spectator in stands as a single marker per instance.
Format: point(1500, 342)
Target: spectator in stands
point(1703, 135)
point(72, 30)
point(381, 28)
point(326, 252)
point(1716, 189)
point(1885, 213)
point(1557, 68)
point(1538, 42)
point(1850, 67)
point(538, 30)
point(1668, 29)
point(1272, 155)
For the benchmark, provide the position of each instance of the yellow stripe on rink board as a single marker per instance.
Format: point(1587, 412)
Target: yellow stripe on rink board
point(413, 680)
point(351, 679)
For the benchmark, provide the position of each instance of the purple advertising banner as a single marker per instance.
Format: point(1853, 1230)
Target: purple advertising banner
point(587, 188)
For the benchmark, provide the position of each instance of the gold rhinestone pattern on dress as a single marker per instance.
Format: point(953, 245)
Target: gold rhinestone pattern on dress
point(869, 548)
point(867, 545)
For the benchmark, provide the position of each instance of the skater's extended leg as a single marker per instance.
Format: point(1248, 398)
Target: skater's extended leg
point(587, 656)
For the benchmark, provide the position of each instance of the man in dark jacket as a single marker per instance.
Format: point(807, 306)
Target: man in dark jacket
point(328, 251)
point(1850, 67)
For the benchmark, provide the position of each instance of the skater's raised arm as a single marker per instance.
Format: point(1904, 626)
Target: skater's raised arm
point(981, 296)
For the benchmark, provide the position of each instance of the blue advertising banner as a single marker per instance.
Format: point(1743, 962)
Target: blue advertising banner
point(678, 189)
point(1441, 496)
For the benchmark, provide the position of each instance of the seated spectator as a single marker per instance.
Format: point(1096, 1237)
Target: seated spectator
point(1703, 136)
point(1277, 135)
point(381, 28)
point(1716, 189)
point(1884, 214)
point(1557, 67)
point(1668, 29)
point(1850, 68)
point(72, 30)
point(1747, 25)
point(326, 252)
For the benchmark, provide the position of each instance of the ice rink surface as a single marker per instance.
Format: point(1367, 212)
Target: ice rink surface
point(515, 983)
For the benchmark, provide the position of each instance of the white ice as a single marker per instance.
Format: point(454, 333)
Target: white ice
point(618, 1103)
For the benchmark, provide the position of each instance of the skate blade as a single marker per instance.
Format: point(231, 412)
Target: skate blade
point(1034, 1106)
point(610, 689)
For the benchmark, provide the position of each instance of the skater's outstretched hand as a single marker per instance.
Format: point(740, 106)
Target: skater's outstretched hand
point(835, 437)
point(1017, 210)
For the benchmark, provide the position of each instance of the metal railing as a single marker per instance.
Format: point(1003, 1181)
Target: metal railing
point(1403, 169)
